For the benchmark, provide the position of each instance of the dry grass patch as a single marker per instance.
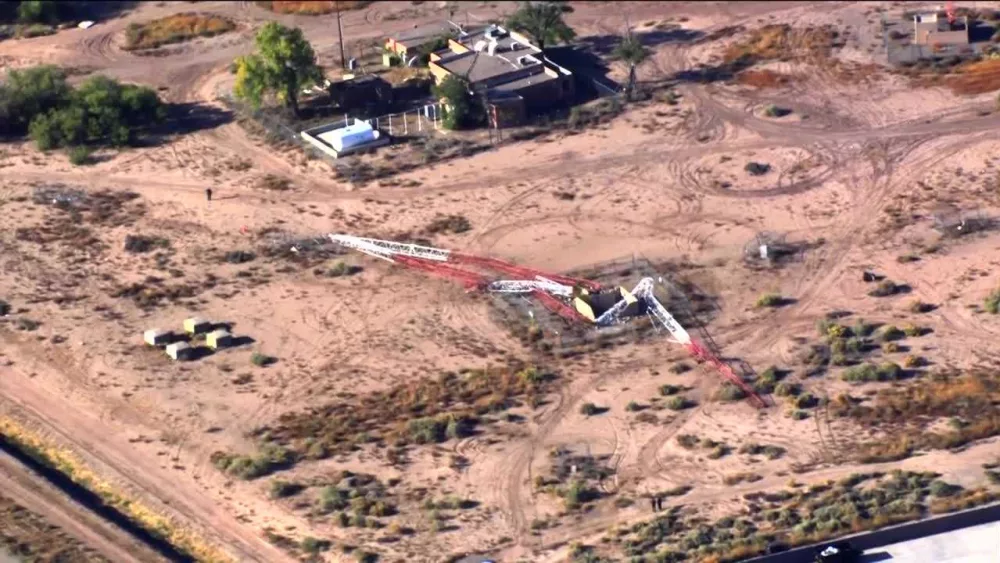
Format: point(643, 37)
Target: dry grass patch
point(905, 413)
point(310, 7)
point(976, 77)
point(764, 78)
point(174, 29)
point(793, 517)
point(429, 411)
point(30, 537)
point(783, 42)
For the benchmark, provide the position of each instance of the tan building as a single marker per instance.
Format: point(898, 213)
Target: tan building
point(514, 74)
point(933, 29)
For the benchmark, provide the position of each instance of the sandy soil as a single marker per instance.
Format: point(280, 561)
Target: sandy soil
point(664, 181)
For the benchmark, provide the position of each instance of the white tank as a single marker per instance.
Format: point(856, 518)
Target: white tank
point(352, 136)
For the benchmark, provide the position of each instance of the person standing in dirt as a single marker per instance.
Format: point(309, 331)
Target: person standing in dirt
point(652, 503)
point(208, 194)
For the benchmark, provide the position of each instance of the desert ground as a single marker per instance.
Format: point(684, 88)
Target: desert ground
point(859, 169)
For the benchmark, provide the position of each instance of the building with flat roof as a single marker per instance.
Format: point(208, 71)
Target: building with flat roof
point(406, 43)
point(514, 75)
point(932, 29)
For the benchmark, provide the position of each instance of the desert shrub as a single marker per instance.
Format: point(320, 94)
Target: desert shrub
point(940, 488)
point(993, 302)
point(885, 288)
point(772, 110)
point(787, 389)
point(799, 415)
point(449, 224)
point(138, 244)
point(913, 330)
point(757, 168)
point(730, 392)
point(239, 256)
point(688, 441)
point(719, 451)
point(861, 329)
point(890, 333)
point(805, 401)
point(679, 368)
point(578, 493)
point(907, 258)
point(282, 489)
point(769, 300)
point(590, 409)
point(887, 371)
point(667, 390)
point(679, 403)
point(4, 308)
point(633, 406)
point(912, 361)
point(427, 430)
point(771, 375)
point(270, 458)
point(314, 546)
point(890, 347)
point(260, 360)
point(920, 307)
point(363, 556)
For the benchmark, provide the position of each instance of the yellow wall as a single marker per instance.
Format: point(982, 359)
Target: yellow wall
point(439, 73)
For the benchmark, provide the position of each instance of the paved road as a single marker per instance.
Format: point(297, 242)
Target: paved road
point(971, 536)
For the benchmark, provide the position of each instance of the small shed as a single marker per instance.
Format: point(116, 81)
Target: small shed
point(219, 339)
point(181, 351)
point(196, 325)
point(157, 337)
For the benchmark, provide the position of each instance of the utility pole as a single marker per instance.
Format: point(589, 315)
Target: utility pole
point(340, 35)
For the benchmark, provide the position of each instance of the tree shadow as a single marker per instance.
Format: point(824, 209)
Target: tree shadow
point(603, 45)
point(186, 118)
point(707, 74)
point(100, 11)
point(588, 68)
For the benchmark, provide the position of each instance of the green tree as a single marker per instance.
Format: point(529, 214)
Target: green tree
point(632, 52)
point(28, 93)
point(41, 11)
point(283, 65)
point(543, 22)
point(455, 92)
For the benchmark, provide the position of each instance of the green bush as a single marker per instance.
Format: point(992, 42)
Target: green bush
point(590, 409)
point(261, 360)
point(427, 430)
point(806, 401)
point(890, 333)
point(887, 371)
point(993, 302)
point(787, 389)
point(885, 288)
point(314, 546)
point(578, 493)
point(769, 300)
point(667, 390)
point(730, 392)
point(80, 155)
point(633, 406)
point(799, 415)
point(679, 403)
point(688, 441)
point(282, 489)
point(940, 488)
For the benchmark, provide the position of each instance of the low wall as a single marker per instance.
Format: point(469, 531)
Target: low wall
point(311, 136)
